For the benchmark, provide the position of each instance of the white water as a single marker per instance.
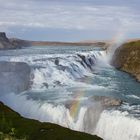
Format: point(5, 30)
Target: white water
point(46, 72)
point(56, 86)
point(116, 125)
point(44, 112)
point(112, 124)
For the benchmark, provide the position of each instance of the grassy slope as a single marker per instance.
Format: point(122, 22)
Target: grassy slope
point(127, 58)
point(12, 125)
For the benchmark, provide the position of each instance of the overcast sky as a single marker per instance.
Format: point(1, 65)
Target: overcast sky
point(70, 20)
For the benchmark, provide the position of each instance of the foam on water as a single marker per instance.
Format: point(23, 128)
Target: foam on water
point(44, 112)
point(61, 69)
point(108, 124)
point(133, 96)
point(117, 125)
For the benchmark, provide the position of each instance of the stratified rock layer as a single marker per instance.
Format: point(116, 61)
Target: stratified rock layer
point(127, 58)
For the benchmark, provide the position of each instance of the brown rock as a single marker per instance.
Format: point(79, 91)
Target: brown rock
point(127, 58)
point(107, 101)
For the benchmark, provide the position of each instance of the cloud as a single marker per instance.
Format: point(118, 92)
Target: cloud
point(46, 14)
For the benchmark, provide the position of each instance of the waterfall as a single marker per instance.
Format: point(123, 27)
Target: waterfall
point(117, 125)
point(62, 91)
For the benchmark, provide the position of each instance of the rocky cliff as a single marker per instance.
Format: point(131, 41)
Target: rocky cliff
point(127, 58)
point(12, 43)
point(4, 42)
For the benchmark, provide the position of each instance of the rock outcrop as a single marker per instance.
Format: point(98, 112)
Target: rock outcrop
point(107, 101)
point(127, 58)
point(4, 42)
point(13, 43)
point(13, 126)
point(14, 77)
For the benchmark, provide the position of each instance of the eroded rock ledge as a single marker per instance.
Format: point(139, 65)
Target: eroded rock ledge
point(127, 58)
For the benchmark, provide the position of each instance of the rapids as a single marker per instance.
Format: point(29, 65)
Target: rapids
point(63, 84)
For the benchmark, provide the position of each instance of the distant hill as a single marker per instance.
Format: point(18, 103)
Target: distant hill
point(14, 43)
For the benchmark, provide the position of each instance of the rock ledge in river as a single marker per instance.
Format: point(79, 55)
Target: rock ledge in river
point(107, 101)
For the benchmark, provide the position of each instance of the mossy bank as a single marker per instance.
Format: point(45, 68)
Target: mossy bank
point(127, 58)
point(15, 127)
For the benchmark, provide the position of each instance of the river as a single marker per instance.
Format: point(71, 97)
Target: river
point(65, 82)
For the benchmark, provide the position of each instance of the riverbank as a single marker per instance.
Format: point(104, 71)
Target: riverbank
point(127, 58)
point(14, 127)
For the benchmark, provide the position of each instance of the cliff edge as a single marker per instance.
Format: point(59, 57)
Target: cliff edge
point(15, 127)
point(127, 58)
point(5, 42)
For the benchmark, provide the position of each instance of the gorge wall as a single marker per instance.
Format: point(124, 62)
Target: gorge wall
point(14, 77)
point(127, 58)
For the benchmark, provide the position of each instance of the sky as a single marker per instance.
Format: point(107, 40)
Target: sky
point(70, 20)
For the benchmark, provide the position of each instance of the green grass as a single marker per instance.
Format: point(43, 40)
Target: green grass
point(15, 127)
point(133, 44)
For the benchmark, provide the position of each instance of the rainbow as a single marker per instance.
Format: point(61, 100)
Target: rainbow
point(118, 38)
point(75, 105)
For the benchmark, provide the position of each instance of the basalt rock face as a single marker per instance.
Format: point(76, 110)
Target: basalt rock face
point(127, 58)
point(3, 37)
point(4, 42)
point(14, 77)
